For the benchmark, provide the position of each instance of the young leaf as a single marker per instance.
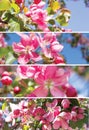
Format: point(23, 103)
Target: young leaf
point(15, 7)
point(10, 58)
point(4, 5)
point(62, 20)
point(55, 5)
point(25, 127)
point(15, 24)
point(3, 52)
point(4, 106)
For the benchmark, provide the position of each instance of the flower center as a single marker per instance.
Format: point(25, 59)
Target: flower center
point(49, 83)
point(28, 48)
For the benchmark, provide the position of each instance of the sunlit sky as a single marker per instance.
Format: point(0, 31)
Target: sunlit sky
point(79, 15)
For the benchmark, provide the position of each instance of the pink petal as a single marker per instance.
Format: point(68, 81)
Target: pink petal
point(57, 92)
point(30, 72)
point(49, 37)
point(46, 127)
point(50, 72)
point(24, 58)
point(40, 91)
point(18, 47)
point(56, 124)
point(56, 47)
point(34, 39)
point(49, 116)
point(53, 104)
point(39, 78)
point(24, 39)
point(21, 71)
point(64, 124)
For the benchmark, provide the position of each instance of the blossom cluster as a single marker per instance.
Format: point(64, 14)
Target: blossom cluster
point(47, 45)
point(33, 48)
point(42, 114)
point(37, 81)
point(36, 15)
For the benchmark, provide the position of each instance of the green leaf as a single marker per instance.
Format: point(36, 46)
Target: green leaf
point(10, 58)
point(74, 102)
point(6, 127)
point(4, 5)
point(6, 16)
point(78, 123)
point(15, 7)
point(4, 105)
point(61, 19)
point(2, 29)
point(3, 52)
point(81, 122)
point(50, 11)
point(51, 21)
point(15, 24)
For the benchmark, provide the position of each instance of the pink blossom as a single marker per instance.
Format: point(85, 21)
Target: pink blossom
point(53, 110)
point(59, 59)
point(50, 79)
point(26, 48)
point(65, 103)
point(38, 113)
point(38, 15)
point(50, 46)
point(25, 72)
point(77, 113)
point(2, 41)
point(70, 90)
point(61, 121)
point(46, 125)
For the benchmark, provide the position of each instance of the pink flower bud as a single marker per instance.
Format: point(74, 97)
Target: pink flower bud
point(65, 103)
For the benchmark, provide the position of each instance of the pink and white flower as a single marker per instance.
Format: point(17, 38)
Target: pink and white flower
point(38, 15)
point(50, 79)
point(26, 48)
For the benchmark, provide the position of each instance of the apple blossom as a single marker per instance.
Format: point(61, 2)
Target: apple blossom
point(50, 79)
point(26, 48)
point(38, 15)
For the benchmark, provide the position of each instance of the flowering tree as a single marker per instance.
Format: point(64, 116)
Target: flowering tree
point(37, 15)
point(36, 81)
point(44, 114)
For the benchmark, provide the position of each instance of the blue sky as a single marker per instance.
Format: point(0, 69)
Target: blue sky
point(79, 15)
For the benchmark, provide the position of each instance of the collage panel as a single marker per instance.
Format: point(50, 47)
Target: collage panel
point(44, 72)
point(44, 81)
point(44, 114)
point(44, 48)
point(44, 15)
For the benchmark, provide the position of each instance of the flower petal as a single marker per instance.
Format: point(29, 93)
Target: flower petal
point(24, 58)
point(57, 92)
point(18, 47)
point(40, 91)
